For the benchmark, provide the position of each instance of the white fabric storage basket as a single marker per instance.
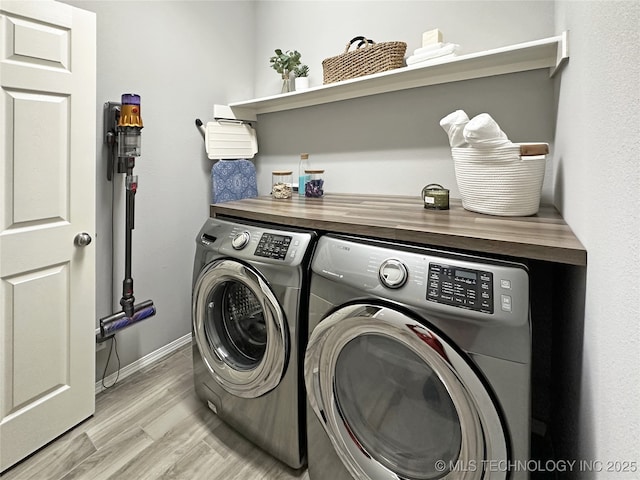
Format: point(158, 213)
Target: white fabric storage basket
point(499, 181)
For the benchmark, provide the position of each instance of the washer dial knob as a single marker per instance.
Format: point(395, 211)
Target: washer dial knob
point(393, 273)
point(241, 240)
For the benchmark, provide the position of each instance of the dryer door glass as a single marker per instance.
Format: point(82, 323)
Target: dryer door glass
point(398, 400)
point(397, 406)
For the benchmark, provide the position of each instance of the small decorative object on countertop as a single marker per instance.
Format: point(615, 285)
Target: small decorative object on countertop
point(281, 181)
point(435, 197)
point(314, 184)
point(302, 176)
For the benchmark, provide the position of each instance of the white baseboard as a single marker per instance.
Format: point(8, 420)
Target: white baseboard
point(144, 361)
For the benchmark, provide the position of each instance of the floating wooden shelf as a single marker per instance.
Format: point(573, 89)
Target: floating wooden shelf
point(549, 53)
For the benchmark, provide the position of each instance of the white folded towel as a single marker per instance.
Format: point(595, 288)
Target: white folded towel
point(484, 131)
point(428, 48)
point(454, 124)
point(448, 49)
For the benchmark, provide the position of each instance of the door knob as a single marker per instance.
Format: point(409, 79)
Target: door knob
point(82, 239)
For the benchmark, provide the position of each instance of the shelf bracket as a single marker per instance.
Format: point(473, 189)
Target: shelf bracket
point(233, 113)
point(562, 55)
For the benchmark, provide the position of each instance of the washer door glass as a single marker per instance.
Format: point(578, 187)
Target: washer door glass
point(397, 400)
point(411, 421)
point(235, 325)
point(239, 328)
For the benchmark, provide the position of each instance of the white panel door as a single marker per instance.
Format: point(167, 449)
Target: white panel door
point(47, 197)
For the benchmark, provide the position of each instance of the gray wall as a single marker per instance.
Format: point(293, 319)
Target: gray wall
point(597, 189)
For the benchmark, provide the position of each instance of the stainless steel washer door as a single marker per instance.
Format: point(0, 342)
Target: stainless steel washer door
point(239, 328)
point(397, 401)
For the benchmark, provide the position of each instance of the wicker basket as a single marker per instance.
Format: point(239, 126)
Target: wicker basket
point(499, 181)
point(368, 57)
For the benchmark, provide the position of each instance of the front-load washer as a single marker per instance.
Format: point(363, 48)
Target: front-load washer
point(418, 364)
point(249, 324)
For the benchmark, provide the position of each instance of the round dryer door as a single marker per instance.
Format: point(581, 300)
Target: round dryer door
point(239, 328)
point(398, 401)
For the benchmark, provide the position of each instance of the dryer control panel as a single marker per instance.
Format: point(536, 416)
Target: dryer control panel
point(460, 287)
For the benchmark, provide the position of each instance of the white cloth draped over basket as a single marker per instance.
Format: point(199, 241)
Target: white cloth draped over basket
point(499, 181)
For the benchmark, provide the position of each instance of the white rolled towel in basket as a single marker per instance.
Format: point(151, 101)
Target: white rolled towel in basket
point(483, 131)
point(454, 124)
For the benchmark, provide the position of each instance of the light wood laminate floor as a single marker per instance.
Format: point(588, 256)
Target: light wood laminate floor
point(151, 426)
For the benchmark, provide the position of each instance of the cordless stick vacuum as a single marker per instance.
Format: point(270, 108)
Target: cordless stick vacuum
point(124, 137)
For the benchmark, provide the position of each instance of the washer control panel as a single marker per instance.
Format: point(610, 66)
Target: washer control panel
point(273, 246)
point(460, 287)
point(255, 242)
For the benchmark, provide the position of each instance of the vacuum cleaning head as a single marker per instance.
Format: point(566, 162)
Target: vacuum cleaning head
point(118, 321)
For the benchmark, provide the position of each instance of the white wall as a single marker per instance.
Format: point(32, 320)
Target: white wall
point(598, 192)
point(321, 29)
point(181, 57)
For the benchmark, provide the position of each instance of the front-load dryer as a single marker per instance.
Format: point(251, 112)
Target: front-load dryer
point(418, 364)
point(249, 324)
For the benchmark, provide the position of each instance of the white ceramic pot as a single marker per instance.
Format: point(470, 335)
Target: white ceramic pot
point(301, 83)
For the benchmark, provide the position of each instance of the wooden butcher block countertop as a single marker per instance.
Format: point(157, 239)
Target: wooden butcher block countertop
point(544, 236)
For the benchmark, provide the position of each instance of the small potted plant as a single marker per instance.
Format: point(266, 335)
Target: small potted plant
point(284, 63)
point(302, 77)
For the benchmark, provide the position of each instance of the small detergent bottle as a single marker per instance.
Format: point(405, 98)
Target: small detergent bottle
point(302, 176)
